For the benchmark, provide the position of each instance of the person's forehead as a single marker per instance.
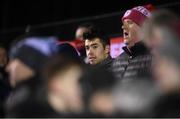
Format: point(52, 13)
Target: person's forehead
point(127, 21)
point(72, 68)
point(81, 29)
point(92, 41)
point(15, 62)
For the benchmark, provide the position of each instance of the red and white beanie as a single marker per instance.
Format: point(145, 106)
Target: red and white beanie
point(137, 14)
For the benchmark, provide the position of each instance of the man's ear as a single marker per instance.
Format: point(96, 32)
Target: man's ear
point(107, 49)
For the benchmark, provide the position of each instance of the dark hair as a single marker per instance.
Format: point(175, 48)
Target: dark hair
point(95, 32)
point(95, 80)
point(67, 50)
point(100, 79)
point(58, 64)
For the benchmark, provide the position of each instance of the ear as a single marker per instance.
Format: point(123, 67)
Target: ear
point(107, 49)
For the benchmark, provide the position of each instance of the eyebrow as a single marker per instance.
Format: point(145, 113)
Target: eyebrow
point(94, 44)
point(129, 21)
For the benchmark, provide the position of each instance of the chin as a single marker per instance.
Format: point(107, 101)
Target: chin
point(93, 63)
point(126, 42)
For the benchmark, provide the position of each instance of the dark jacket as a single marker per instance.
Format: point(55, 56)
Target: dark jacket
point(106, 64)
point(133, 63)
point(29, 100)
point(168, 106)
point(24, 91)
point(5, 89)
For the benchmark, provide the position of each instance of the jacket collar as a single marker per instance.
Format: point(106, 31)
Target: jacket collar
point(106, 61)
point(138, 49)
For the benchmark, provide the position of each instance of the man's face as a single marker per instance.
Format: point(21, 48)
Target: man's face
point(66, 84)
point(79, 33)
point(155, 39)
point(95, 51)
point(18, 71)
point(130, 32)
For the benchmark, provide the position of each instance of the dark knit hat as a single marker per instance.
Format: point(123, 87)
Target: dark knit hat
point(67, 50)
point(34, 51)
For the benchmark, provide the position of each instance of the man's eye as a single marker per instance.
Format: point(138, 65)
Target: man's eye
point(129, 23)
point(87, 48)
point(95, 47)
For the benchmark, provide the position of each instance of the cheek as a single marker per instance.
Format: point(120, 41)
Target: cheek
point(87, 53)
point(101, 51)
point(159, 70)
point(96, 52)
point(14, 72)
point(134, 30)
point(166, 74)
point(72, 79)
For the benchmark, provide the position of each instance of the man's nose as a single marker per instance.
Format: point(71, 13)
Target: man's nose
point(90, 52)
point(122, 27)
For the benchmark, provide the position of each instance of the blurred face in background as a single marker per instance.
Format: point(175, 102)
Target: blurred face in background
point(95, 51)
point(18, 71)
point(130, 32)
point(79, 32)
point(65, 86)
point(101, 102)
point(154, 39)
point(3, 57)
point(167, 74)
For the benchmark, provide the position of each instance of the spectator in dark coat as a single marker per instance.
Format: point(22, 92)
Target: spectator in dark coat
point(81, 29)
point(97, 47)
point(136, 60)
point(27, 58)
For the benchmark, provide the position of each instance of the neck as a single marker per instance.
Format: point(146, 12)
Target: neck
point(132, 43)
point(106, 56)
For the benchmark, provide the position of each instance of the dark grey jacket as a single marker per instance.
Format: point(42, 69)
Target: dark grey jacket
point(133, 63)
point(106, 64)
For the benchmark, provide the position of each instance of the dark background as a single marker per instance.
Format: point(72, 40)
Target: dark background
point(63, 16)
